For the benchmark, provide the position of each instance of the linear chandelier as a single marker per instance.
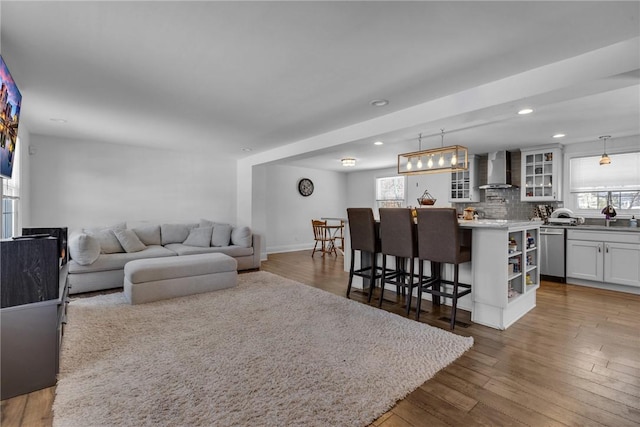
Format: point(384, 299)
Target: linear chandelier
point(437, 160)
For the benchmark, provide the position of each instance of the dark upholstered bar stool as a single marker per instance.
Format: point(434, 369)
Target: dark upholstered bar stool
point(398, 239)
point(440, 241)
point(364, 238)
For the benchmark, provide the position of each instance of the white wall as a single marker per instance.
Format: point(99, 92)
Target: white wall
point(82, 183)
point(288, 214)
point(361, 188)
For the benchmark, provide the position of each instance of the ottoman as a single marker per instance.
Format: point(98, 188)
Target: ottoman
point(154, 279)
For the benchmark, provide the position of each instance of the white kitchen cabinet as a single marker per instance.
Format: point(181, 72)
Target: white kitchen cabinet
point(585, 260)
point(541, 174)
point(622, 263)
point(464, 184)
point(604, 257)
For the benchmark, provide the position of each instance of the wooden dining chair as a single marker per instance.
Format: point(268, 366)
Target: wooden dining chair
point(340, 236)
point(323, 237)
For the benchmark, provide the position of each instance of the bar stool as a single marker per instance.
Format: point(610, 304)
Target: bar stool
point(440, 241)
point(398, 239)
point(364, 238)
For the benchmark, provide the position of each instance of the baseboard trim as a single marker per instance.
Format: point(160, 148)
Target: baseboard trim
point(289, 248)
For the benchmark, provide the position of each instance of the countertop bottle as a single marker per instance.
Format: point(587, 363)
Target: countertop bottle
point(633, 222)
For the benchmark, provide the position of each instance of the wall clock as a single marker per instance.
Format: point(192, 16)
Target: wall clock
point(305, 187)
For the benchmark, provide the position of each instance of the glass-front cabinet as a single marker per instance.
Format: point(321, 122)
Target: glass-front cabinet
point(541, 174)
point(464, 184)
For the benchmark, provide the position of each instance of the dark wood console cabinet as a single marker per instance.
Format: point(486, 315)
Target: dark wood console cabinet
point(34, 296)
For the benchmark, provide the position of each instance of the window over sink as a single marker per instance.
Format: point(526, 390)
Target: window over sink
point(592, 185)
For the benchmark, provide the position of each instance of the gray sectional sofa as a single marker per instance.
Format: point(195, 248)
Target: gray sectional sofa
point(98, 255)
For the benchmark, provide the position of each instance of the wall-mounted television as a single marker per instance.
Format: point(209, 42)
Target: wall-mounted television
point(10, 100)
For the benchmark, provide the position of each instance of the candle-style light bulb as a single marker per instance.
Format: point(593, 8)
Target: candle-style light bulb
point(409, 165)
point(430, 162)
point(454, 159)
point(419, 164)
point(441, 160)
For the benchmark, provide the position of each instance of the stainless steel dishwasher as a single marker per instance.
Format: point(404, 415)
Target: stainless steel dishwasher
point(552, 254)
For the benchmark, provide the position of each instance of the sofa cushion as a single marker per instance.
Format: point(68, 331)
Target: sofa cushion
point(174, 233)
point(106, 262)
point(200, 237)
point(232, 251)
point(154, 270)
point(83, 248)
point(129, 240)
point(109, 244)
point(221, 235)
point(148, 234)
point(241, 236)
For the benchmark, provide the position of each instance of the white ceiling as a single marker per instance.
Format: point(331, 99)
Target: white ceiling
point(223, 76)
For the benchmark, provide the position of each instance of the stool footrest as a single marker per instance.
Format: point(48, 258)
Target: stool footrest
point(466, 289)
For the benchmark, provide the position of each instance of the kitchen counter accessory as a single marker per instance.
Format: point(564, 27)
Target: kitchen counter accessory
point(426, 199)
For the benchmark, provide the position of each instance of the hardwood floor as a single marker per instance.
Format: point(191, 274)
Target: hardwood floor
point(573, 360)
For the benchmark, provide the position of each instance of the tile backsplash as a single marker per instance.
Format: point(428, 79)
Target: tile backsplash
point(503, 203)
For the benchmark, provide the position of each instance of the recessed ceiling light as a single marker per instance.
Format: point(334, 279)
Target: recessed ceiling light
point(379, 102)
point(58, 120)
point(378, 143)
point(525, 111)
point(246, 150)
point(559, 135)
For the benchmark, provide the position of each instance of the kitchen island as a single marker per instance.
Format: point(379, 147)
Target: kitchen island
point(503, 271)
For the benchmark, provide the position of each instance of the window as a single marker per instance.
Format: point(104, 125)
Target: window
point(11, 199)
point(592, 185)
point(390, 191)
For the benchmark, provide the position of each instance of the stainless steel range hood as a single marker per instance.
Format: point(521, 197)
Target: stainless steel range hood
point(498, 170)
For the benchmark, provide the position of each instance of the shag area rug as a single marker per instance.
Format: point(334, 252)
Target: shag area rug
point(270, 352)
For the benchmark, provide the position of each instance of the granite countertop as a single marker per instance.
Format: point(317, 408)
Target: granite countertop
point(498, 223)
point(595, 227)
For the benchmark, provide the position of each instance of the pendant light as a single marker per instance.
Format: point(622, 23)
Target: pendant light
point(605, 159)
point(443, 159)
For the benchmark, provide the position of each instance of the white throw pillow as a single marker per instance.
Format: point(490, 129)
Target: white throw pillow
point(129, 240)
point(200, 237)
point(221, 235)
point(241, 236)
point(149, 234)
point(83, 248)
point(109, 244)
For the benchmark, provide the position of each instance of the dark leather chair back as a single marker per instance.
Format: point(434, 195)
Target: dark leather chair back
point(362, 228)
point(439, 238)
point(398, 233)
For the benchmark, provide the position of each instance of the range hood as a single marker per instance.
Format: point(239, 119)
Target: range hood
point(498, 170)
